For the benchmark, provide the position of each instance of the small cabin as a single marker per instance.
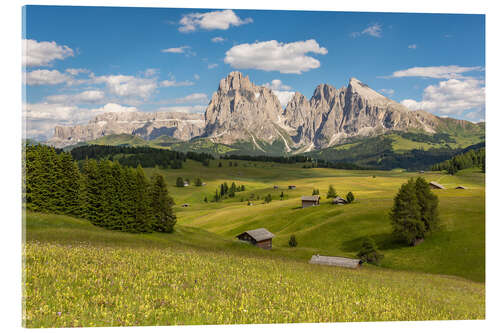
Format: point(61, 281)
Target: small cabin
point(436, 185)
point(292, 187)
point(310, 201)
point(339, 201)
point(185, 205)
point(275, 187)
point(421, 171)
point(460, 187)
point(259, 237)
point(335, 261)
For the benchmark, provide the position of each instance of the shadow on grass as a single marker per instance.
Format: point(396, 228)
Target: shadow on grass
point(384, 241)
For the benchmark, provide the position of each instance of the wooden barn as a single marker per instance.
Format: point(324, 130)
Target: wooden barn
point(292, 187)
point(260, 237)
point(436, 185)
point(339, 201)
point(310, 201)
point(335, 261)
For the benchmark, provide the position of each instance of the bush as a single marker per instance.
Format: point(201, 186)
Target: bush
point(331, 192)
point(369, 252)
point(315, 192)
point(292, 242)
point(350, 197)
point(268, 198)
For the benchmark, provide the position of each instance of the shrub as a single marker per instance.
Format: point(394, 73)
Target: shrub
point(331, 192)
point(350, 197)
point(292, 242)
point(369, 252)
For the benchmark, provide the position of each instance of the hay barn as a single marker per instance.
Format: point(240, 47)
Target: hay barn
point(310, 201)
point(335, 261)
point(259, 237)
point(436, 185)
point(292, 187)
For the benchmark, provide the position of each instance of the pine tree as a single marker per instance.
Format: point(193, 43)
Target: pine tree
point(331, 192)
point(232, 190)
point(92, 204)
point(292, 242)
point(198, 181)
point(164, 218)
point(179, 182)
point(369, 252)
point(143, 213)
point(428, 203)
point(282, 195)
point(405, 215)
point(350, 197)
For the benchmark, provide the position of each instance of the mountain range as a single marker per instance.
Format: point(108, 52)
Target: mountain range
point(241, 113)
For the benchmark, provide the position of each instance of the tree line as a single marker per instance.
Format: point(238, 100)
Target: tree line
point(475, 158)
point(147, 157)
point(104, 192)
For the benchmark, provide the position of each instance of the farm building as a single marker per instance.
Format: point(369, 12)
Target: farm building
point(460, 187)
point(185, 205)
point(292, 187)
point(309, 201)
point(436, 185)
point(275, 187)
point(260, 237)
point(339, 201)
point(335, 261)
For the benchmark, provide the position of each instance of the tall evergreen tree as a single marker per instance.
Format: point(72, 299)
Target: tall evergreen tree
point(143, 213)
point(331, 192)
point(428, 203)
point(164, 218)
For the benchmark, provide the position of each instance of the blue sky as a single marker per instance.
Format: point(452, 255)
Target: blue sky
point(82, 61)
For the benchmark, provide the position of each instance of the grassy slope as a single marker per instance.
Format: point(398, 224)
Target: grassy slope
point(458, 249)
point(80, 275)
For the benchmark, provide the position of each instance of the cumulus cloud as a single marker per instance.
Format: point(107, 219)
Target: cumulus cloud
point(151, 72)
point(217, 40)
point(85, 97)
point(221, 20)
point(128, 86)
point(43, 53)
point(436, 72)
point(173, 83)
point(374, 30)
point(412, 46)
point(290, 58)
point(113, 107)
point(196, 97)
point(282, 91)
point(451, 97)
point(187, 109)
point(46, 77)
point(77, 71)
point(212, 66)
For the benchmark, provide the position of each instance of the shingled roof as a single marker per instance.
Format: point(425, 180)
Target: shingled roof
point(436, 185)
point(334, 261)
point(260, 234)
point(310, 198)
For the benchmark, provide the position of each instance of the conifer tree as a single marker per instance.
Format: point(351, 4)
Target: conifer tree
point(179, 182)
point(350, 197)
point(331, 192)
point(164, 218)
point(428, 203)
point(143, 213)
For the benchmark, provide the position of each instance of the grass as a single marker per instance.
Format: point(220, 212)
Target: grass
point(79, 275)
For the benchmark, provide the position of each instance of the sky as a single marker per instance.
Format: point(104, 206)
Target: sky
point(79, 62)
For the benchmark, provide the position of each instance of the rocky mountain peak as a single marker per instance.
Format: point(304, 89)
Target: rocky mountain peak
point(235, 81)
point(357, 87)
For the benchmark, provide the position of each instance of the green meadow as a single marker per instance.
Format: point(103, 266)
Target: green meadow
point(80, 275)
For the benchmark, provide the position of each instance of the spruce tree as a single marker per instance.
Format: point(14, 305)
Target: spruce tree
point(350, 197)
point(405, 215)
point(143, 213)
point(179, 182)
point(164, 218)
point(428, 203)
point(331, 192)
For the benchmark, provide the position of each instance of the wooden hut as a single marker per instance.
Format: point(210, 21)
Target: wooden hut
point(292, 187)
point(310, 201)
point(436, 185)
point(275, 187)
point(260, 237)
point(335, 261)
point(339, 201)
point(460, 187)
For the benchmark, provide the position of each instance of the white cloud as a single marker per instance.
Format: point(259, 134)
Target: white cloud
point(46, 77)
point(43, 53)
point(77, 71)
point(284, 96)
point(374, 30)
point(196, 97)
point(212, 66)
point(173, 83)
point(151, 72)
point(113, 107)
point(436, 72)
point(451, 97)
point(412, 46)
point(128, 86)
point(85, 97)
point(217, 39)
point(277, 85)
point(221, 20)
point(196, 77)
point(181, 49)
point(187, 109)
point(272, 55)
point(388, 92)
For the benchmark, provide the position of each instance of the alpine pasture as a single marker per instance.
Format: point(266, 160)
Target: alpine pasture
point(201, 274)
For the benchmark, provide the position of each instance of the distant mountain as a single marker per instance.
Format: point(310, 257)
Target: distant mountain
point(249, 118)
